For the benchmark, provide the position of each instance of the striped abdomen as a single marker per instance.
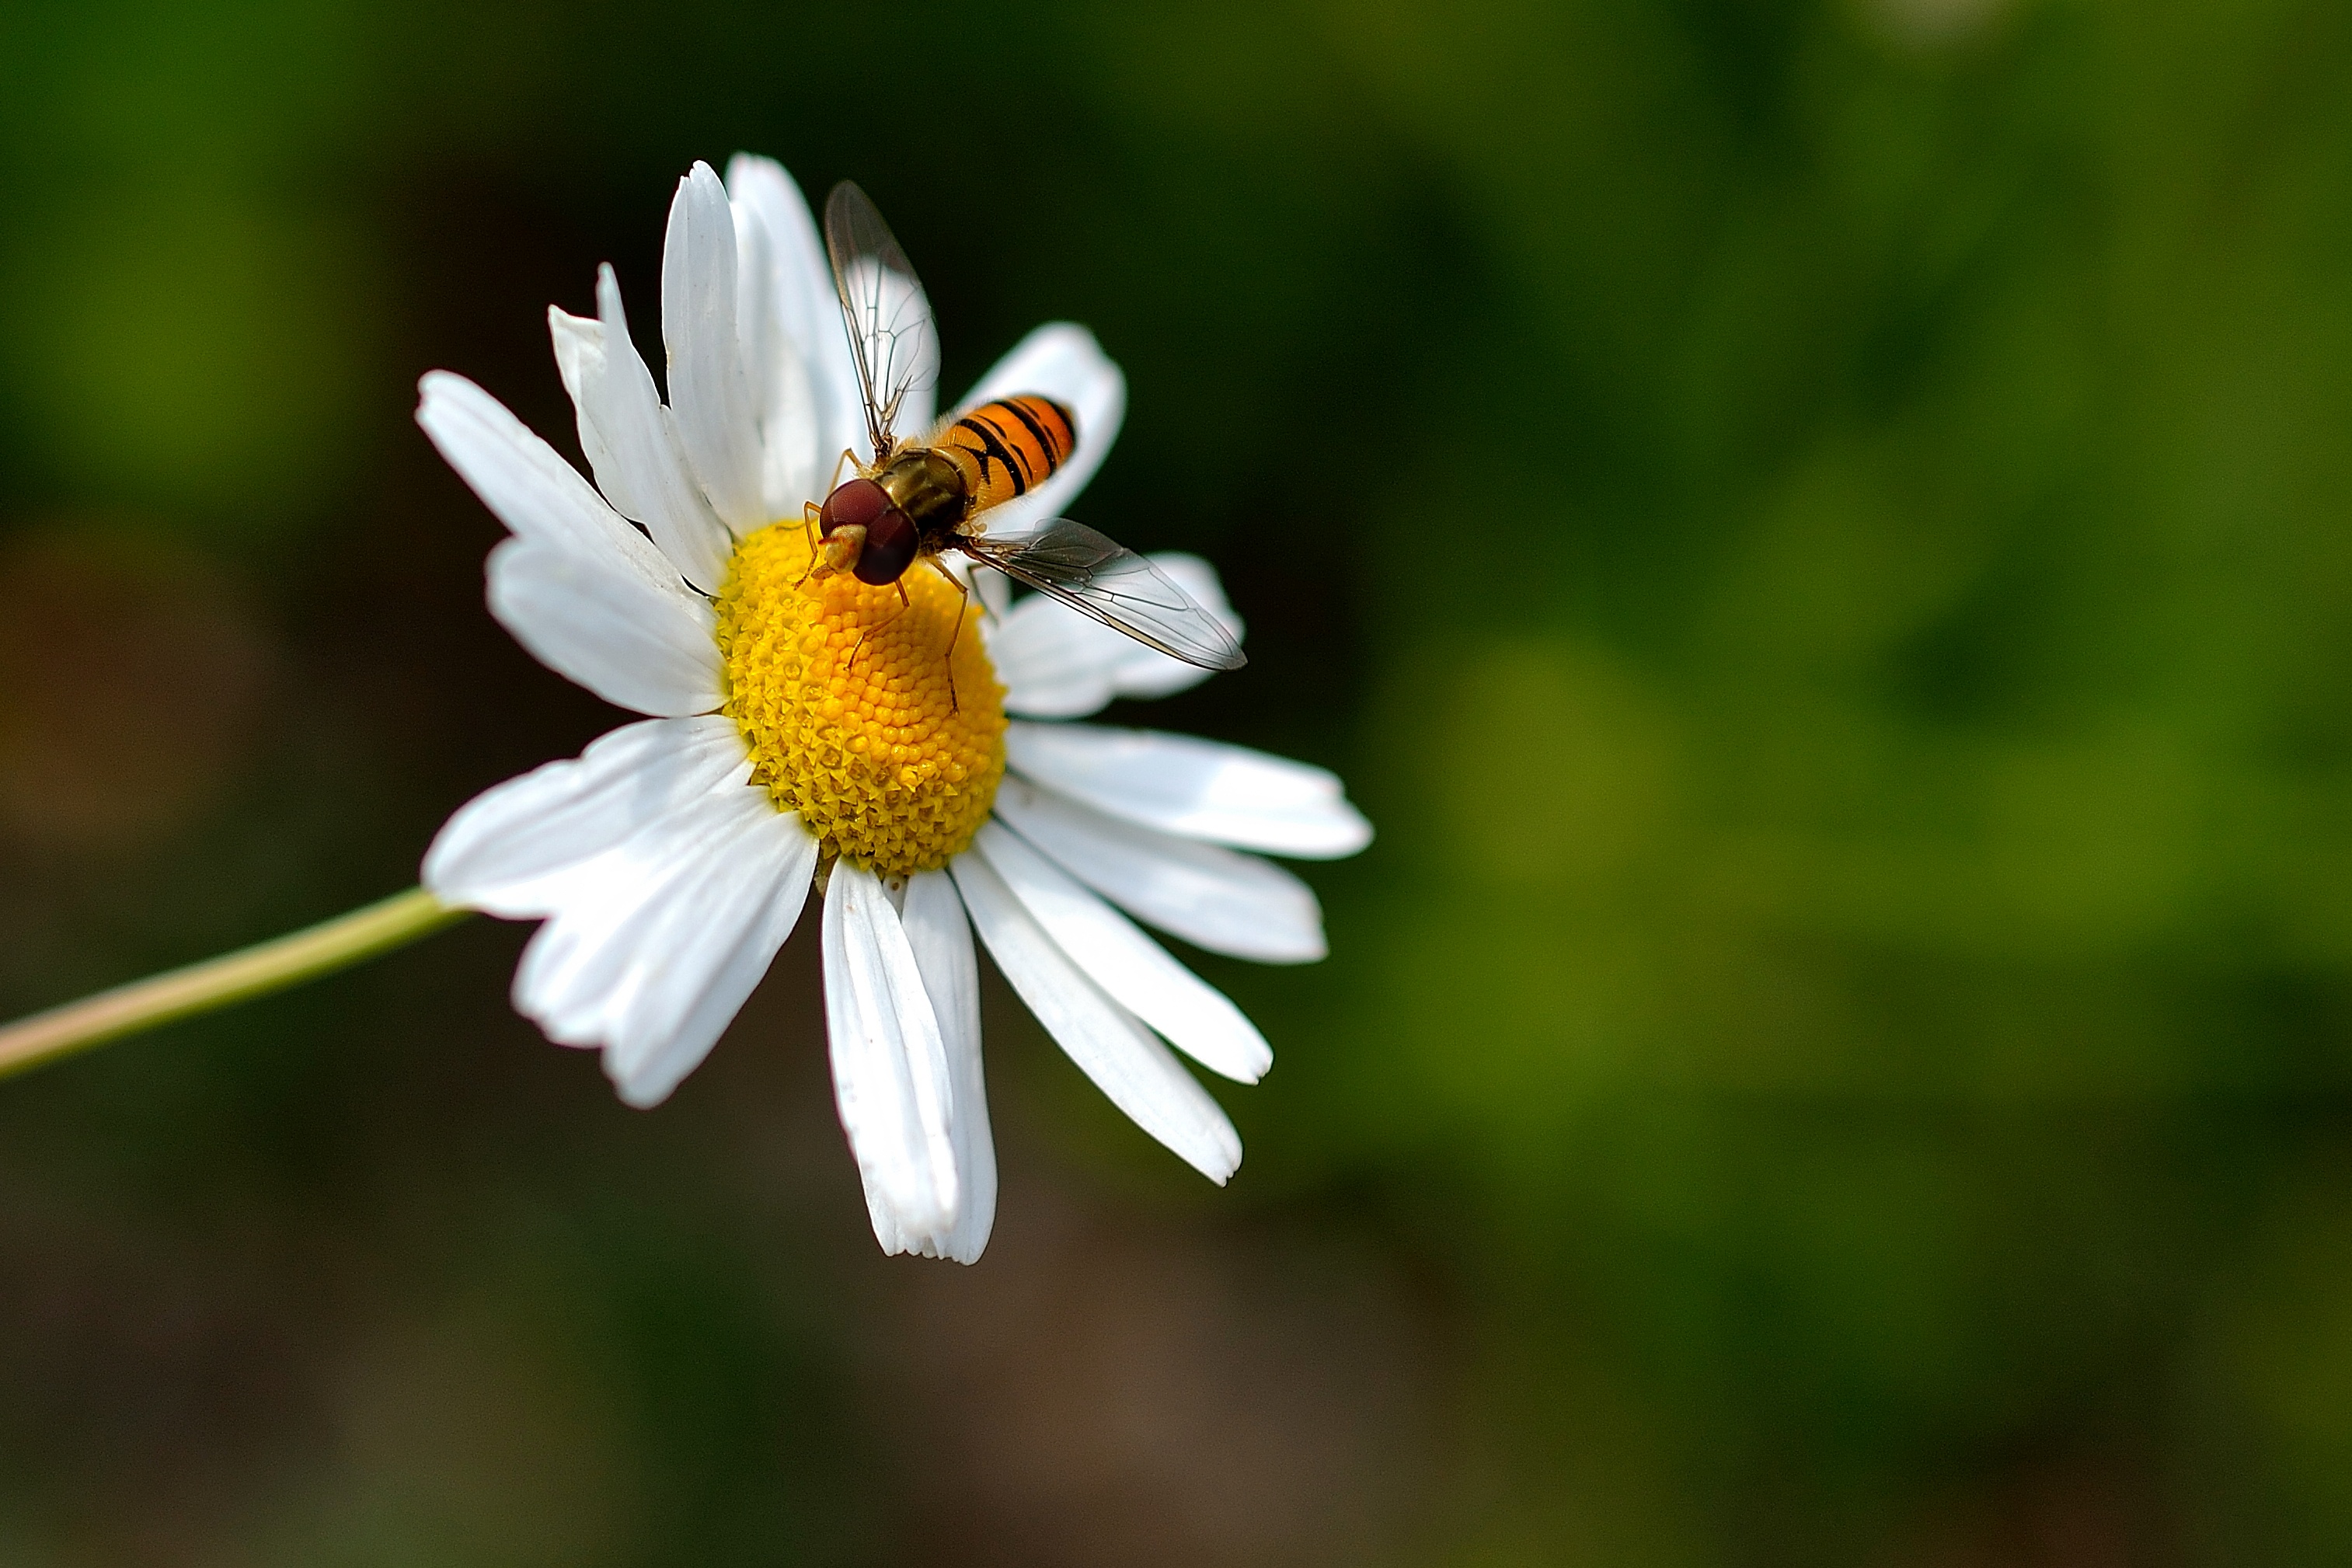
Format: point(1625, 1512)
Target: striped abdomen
point(1008, 447)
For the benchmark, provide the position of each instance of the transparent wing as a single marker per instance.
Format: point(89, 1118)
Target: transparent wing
point(889, 320)
point(1097, 577)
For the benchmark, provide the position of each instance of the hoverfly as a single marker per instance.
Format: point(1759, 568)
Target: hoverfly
point(919, 499)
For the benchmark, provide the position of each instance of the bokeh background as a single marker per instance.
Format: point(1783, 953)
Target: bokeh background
point(1821, 533)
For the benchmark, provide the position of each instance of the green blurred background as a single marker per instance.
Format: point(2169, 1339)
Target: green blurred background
point(1821, 533)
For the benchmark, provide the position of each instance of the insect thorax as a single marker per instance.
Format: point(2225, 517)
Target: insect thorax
point(931, 491)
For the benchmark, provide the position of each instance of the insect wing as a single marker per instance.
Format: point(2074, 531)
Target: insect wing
point(891, 334)
point(1097, 577)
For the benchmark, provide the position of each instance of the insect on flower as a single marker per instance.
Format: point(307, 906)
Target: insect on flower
point(916, 500)
point(818, 718)
point(814, 722)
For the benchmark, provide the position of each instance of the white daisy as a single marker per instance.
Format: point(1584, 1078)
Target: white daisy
point(805, 730)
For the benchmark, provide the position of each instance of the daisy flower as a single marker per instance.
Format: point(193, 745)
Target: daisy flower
point(912, 758)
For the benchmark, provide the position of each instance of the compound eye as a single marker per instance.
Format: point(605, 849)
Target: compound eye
point(856, 501)
point(889, 549)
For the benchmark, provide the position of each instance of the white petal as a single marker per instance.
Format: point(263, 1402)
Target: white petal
point(631, 441)
point(572, 554)
point(1195, 788)
point(1062, 362)
point(994, 588)
point(522, 480)
point(1124, 1059)
point(783, 403)
point(602, 625)
point(800, 279)
point(508, 851)
point(755, 892)
point(655, 943)
point(941, 938)
point(1213, 896)
point(890, 1074)
point(1135, 970)
point(756, 328)
point(709, 391)
point(1057, 664)
point(805, 312)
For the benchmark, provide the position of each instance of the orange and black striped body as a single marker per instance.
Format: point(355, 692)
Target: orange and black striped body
point(920, 499)
point(1008, 448)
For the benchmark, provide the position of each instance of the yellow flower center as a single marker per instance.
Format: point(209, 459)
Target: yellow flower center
point(843, 693)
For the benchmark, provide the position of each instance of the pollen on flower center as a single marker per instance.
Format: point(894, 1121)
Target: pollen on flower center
point(842, 693)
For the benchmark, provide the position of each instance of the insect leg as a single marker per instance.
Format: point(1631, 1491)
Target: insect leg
point(962, 604)
point(872, 626)
point(809, 514)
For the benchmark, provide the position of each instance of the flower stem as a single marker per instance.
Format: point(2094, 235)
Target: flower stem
point(216, 982)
